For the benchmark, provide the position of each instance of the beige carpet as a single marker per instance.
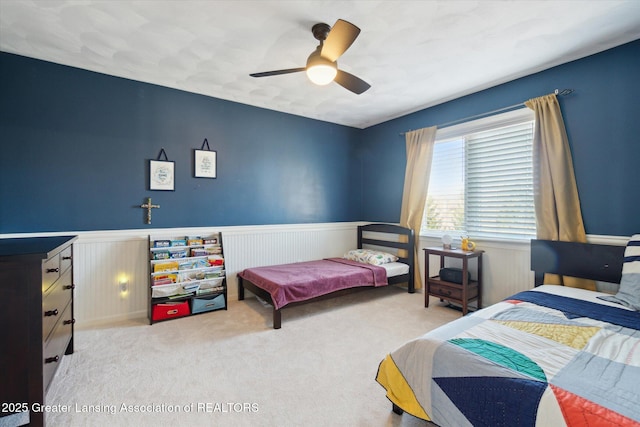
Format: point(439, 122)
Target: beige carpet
point(230, 368)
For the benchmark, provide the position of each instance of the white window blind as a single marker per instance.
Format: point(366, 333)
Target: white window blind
point(481, 181)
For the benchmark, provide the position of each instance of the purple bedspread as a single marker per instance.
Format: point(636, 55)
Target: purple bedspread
point(301, 281)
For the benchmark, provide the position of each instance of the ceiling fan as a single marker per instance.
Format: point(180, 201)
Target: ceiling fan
point(322, 67)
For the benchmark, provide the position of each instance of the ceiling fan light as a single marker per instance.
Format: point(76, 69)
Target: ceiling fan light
point(322, 74)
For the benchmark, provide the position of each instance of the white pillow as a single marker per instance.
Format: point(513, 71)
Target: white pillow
point(368, 256)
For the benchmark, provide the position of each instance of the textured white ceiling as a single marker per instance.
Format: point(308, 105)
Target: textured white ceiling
point(415, 54)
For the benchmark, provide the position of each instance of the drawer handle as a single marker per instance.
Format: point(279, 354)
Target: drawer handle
point(53, 270)
point(52, 359)
point(51, 313)
point(67, 287)
point(174, 311)
point(66, 258)
point(69, 322)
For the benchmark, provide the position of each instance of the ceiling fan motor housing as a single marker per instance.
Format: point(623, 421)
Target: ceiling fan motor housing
point(317, 59)
point(320, 70)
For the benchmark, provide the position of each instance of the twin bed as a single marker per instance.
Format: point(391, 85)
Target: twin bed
point(384, 256)
point(550, 356)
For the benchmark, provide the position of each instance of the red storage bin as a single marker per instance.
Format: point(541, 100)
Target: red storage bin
point(170, 310)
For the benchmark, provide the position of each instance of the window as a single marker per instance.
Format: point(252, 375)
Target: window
point(481, 181)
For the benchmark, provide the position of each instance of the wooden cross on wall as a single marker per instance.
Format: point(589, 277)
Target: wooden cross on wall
point(148, 206)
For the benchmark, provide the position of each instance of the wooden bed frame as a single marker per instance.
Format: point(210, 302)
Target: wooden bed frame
point(583, 260)
point(363, 240)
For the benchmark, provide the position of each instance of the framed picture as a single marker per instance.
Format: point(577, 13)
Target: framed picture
point(205, 163)
point(161, 175)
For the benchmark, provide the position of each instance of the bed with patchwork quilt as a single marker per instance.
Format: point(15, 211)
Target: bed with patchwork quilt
point(550, 356)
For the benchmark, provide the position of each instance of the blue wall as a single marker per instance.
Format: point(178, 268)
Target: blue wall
point(602, 118)
point(76, 145)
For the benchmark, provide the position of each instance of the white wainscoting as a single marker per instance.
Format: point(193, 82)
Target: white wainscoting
point(103, 258)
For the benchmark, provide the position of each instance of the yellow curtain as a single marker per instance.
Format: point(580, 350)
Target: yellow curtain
point(416, 182)
point(557, 206)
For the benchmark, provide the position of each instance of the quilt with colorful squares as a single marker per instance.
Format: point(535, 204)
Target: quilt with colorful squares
point(552, 356)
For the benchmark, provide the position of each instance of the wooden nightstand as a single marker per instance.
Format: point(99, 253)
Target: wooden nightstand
point(461, 293)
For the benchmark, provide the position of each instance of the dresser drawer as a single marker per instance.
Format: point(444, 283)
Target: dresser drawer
point(65, 259)
point(50, 272)
point(445, 291)
point(453, 292)
point(54, 301)
point(56, 345)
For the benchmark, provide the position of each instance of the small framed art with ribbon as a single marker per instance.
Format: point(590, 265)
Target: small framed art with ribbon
point(161, 173)
point(205, 161)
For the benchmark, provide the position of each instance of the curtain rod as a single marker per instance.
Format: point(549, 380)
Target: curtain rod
point(490, 113)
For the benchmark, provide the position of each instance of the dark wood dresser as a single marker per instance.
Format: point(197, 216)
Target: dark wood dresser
point(36, 288)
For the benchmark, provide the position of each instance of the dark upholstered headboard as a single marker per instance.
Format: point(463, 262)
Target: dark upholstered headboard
point(584, 260)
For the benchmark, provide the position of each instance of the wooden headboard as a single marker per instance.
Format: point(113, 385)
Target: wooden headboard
point(585, 260)
point(394, 242)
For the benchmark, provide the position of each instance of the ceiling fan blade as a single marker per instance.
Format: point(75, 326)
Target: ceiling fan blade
point(277, 72)
point(341, 36)
point(351, 82)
